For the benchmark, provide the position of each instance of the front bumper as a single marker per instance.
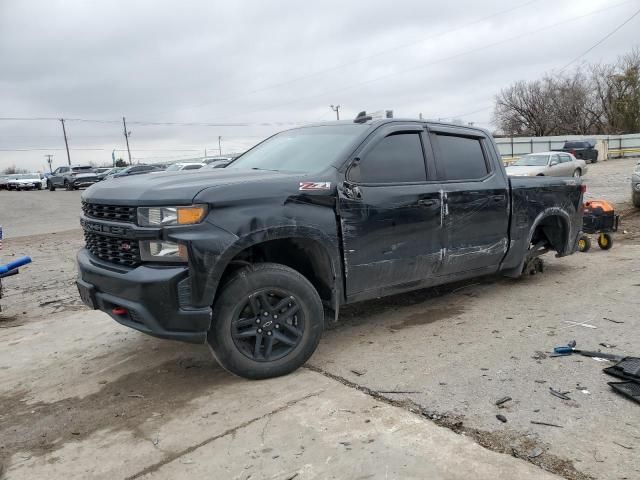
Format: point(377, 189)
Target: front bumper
point(151, 296)
point(81, 182)
point(635, 183)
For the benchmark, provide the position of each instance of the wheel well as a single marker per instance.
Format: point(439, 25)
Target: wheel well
point(306, 256)
point(552, 231)
point(540, 175)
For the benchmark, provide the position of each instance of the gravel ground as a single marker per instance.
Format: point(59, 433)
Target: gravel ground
point(446, 354)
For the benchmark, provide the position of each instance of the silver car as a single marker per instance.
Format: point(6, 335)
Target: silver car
point(551, 164)
point(635, 186)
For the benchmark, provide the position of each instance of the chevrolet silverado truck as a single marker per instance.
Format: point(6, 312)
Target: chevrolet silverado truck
point(253, 258)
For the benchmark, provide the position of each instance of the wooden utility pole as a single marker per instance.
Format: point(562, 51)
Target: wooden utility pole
point(126, 137)
point(49, 161)
point(66, 142)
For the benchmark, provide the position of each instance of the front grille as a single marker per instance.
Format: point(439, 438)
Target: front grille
point(112, 249)
point(118, 213)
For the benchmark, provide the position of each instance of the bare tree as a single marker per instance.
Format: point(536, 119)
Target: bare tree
point(598, 99)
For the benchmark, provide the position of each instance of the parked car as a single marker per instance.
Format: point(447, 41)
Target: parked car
point(24, 181)
point(210, 160)
point(109, 171)
point(252, 257)
point(581, 149)
point(134, 170)
point(548, 164)
point(635, 186)
point(72, 177)
point(177, 167)
point(217, 164)
point(4, 182)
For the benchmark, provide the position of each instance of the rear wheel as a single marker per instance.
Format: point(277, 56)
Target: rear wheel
point(605, 241)
point(52, 188)
point(636, 199)
point(67, 185)
point(267, 322)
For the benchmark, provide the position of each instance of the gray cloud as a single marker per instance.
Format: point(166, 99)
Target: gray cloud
point(203, 61)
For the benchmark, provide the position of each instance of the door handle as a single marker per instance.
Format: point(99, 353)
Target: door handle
point(497, 198)
point(427, 202)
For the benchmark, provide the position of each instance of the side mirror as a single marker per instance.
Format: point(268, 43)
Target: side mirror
point(553, 162)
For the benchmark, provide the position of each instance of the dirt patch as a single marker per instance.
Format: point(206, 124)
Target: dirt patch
point(429, 315)
point(124, 404)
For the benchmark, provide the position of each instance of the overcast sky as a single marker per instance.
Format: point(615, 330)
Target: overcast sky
point(269, 62)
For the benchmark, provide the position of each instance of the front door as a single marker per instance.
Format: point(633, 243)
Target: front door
point(390, 215)
point(476, 200)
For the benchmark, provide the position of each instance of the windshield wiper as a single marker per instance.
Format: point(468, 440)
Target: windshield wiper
point(265, 169)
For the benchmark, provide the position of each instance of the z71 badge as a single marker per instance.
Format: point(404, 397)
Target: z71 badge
point(310, 186)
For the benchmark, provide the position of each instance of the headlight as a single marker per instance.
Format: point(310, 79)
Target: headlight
point(162, 251)
point(167, 216)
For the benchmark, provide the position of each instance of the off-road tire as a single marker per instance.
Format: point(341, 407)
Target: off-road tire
point(249, 282)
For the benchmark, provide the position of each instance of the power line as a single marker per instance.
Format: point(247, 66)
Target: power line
point(602, 39)
point(365, 58)
point(441, 60)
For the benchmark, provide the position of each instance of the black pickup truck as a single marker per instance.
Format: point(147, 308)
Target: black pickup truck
point(254, 257)
point(581, 149)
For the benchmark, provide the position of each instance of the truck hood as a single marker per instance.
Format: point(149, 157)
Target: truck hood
point(524, 171)
point(179, 188)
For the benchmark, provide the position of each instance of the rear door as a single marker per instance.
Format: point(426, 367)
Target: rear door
point(390, 214)
point(57, 177)
point(475, 203)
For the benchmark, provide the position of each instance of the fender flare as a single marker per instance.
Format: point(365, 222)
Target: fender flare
point(329, 245)
point(553, 212)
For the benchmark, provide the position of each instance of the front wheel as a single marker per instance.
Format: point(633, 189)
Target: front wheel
point(635, 197)
point(68, 186)
point(605, 241)
point(584, 244)
point(52, 187)
point(267, 322)
point(576, 173)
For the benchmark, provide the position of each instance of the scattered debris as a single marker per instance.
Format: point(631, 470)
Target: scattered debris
point(546, 424)
point(539, 355)
point(540, 381)
point(135, 395)
point(536, 452)
point(579, 324)
point(503, 400)
point(624, 446)
point(357, 372)
point(607, 345)
point(557, 393)
point(502, 418)
point(612, 320)
point(583, 389)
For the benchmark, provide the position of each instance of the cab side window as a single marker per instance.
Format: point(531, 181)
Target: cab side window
point(459, 157)
point(397, 158)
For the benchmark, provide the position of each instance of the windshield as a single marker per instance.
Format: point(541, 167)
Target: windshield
point(304, 150)
point(82, 169)
point(26, 176)
point(532, 161)
point(173, 168)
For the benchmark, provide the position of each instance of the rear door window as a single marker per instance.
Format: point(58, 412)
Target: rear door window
point(565, 158)
point(459, 157)
point(397, 158)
